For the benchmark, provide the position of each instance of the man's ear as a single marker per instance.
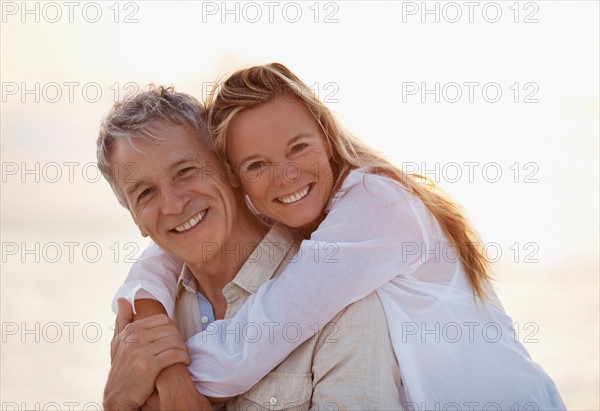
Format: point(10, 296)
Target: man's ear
point(142, 231)
point(233, 179)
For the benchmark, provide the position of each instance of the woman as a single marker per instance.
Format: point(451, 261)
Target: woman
point(371, 227)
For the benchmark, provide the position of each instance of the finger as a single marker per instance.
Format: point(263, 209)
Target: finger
point(152, 403)
point(171, 342)
point(154, 321)
point(161, 332)
point(113, 349)
point(124, 315)
point(134, 333)
point(147, 366)
point(171, 357)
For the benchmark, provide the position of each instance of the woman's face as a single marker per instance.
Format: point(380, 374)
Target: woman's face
point(281, 159)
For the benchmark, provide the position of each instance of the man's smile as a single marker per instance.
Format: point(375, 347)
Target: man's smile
point(192, 222)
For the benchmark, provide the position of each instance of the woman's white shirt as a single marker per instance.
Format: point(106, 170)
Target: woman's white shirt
point(452, 350)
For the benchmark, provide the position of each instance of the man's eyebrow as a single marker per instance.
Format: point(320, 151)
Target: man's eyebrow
point(133, 187)
point(290, 142)
point(184, 160)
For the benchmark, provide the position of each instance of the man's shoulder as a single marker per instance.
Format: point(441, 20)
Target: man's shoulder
point(366, 314)
point(285, 243)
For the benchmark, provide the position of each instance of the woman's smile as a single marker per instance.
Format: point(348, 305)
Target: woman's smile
point(294, 198)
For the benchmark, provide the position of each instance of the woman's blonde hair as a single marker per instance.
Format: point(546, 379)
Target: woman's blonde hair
point(257, 85)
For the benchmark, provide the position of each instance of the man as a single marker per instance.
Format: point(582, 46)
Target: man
point(154, 151)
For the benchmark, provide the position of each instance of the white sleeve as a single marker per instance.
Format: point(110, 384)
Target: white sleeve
point(356, 249)
point(153, 276)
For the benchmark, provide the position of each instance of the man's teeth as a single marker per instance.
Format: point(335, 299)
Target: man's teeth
point(191, 223)
point(294, 197)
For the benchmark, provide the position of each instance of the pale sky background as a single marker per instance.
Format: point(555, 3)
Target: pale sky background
point(359, 56)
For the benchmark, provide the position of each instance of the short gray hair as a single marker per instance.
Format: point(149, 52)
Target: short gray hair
point(138, 116)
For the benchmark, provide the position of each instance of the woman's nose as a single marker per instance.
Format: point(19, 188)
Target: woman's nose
point(286, 172)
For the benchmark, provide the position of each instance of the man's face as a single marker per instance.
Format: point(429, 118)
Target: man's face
point(176, 192)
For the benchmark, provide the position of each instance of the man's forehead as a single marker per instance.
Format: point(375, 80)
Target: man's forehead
point(164, 142)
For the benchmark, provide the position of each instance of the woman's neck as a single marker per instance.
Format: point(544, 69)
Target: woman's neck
point(306, 230)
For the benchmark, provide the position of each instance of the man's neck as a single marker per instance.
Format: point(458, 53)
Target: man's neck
point(221, 268)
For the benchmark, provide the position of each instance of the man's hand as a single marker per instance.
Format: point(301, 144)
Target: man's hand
point(177, 391)
point(152, 403)
point(139, 352)
point(124, 318)
point(145, 308)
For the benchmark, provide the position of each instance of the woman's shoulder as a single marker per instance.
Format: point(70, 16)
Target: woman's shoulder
point(374, 206)
point(362, 183)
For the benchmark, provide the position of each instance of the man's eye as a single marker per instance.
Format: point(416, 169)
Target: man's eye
point(144, 194)
point(299, 147)
point(186, 171)
point(255, 166)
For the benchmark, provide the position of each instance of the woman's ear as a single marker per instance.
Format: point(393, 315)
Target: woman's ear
point(329, 149)
point(233, 179)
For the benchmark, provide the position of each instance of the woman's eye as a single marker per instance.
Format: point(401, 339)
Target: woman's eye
point(299, 147)
point(254, 166)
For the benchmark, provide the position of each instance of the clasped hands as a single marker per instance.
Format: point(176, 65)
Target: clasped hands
point(148, 366)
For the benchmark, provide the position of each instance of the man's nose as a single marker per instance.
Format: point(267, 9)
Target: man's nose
point(172, 199)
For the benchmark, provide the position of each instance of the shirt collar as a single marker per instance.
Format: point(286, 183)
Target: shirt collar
point(262, 264)
point(186, 280)
point(259, 267)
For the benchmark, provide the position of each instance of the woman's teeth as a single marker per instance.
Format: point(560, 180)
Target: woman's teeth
point(294, 197)
point(191, 223)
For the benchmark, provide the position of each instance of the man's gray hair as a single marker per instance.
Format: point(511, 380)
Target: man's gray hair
point(139, 116)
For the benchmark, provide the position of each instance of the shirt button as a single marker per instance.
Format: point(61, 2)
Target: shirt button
point(273, 400)
point(204, 319)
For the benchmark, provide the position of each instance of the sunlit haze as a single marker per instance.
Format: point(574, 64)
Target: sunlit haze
point(502, 110)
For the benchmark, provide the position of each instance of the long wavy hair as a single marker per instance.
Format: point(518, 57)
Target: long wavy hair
point(260, 84)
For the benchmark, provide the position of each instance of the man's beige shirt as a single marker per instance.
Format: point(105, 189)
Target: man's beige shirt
point(348, 365)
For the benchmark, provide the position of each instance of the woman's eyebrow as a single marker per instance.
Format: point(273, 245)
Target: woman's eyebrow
point(249, 158)
point(299, 137)
point(290, 142)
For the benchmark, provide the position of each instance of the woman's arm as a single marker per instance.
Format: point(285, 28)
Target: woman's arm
point(362, 244)
point(150, 289)
point(153, 278)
